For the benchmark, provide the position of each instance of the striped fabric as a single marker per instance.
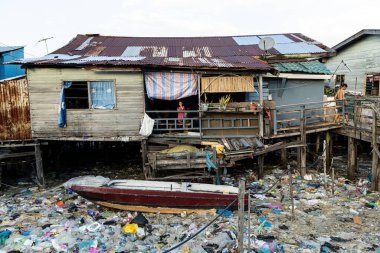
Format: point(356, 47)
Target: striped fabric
point(170, 86)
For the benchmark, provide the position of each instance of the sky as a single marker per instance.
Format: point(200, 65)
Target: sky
point(25, 22)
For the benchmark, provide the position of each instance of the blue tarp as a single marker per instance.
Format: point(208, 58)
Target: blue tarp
point(102, 95)
point(62, 105)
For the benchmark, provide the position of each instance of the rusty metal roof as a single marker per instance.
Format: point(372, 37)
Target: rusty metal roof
point(228, 52)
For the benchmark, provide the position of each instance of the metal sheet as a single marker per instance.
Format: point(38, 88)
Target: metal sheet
point(279, 38)
point(247, 40)
point(14, 110)
point(298, 48)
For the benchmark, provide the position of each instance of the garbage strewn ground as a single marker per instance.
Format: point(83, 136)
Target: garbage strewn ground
point(57, 220)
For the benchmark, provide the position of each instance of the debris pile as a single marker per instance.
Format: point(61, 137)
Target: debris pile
point(58, 220)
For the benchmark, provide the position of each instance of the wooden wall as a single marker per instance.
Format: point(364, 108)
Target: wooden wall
point(14, 110)
point(361, 58)
point(122, 123)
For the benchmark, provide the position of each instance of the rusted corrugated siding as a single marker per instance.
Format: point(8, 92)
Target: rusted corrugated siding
point(14, 110)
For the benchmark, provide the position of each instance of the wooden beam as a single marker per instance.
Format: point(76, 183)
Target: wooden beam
point(15, 155)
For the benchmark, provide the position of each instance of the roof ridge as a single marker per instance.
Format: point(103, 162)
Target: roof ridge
point(183, 37)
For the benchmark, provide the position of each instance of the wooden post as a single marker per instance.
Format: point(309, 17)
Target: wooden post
point(299, 153)
point(375, 157)
point(274, 121)
point(324, 163)
point(261, 101)
point(317, 145)
point(57, 162)
point(241, 215)
point(39, 165)
point(291, 190)
point(199, 105)
point(303, 149)
point(328, 150)
point(352, 158)
point(144, 158)
point(260, 161)
point(1, 173)
point(332, 180)
point(284, 157)
point(249, 222)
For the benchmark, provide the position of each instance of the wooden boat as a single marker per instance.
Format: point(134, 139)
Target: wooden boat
point(159, 194)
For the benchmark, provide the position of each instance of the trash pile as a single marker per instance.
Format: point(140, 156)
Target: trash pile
point(58, 220)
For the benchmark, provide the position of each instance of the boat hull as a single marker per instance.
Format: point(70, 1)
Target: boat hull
point(155, 198)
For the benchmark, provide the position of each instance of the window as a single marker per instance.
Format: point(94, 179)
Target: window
point(76, 96)
point(85, 95)
point(372, 85)
point(339, 79)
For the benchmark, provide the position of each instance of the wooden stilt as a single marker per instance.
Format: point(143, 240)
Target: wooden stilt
point(1, 174)
point(39, 165)
point(352, 158)
point(291, 190)
point(317, 145)
point(260, 161)
point(375, 157)
point(144, 158)
point(328, 150)
point(57, 159)
point(303, 149)
point(241, 215)
point(284, 157)
point(299, 154)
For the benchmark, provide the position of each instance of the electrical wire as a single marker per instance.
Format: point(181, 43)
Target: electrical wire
point(202, 229)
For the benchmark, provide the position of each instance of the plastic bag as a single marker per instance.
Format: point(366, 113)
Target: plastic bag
point(94, 181)
point(130, 229)
point(146, 126)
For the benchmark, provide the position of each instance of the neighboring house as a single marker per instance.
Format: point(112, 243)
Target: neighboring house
point(300, 83)
point(8, 54)
point(357, 62)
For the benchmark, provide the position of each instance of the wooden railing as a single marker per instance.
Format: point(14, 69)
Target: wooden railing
point(167, 122)
point(287, 120)
point(363, 118)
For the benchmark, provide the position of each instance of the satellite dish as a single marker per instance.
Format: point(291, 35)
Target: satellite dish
point(266, 43)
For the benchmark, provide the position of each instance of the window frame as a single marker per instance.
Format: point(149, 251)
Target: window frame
point(89, 93)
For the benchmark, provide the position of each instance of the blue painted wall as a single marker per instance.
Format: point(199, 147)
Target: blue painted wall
point(296, 91)
point(8, 70)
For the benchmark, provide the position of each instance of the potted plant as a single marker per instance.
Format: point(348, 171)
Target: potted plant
point(224, 101)
point(204, 105)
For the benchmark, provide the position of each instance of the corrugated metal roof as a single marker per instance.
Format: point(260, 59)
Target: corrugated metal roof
point(314, 67)
point(9, 49)
point(237, 52)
